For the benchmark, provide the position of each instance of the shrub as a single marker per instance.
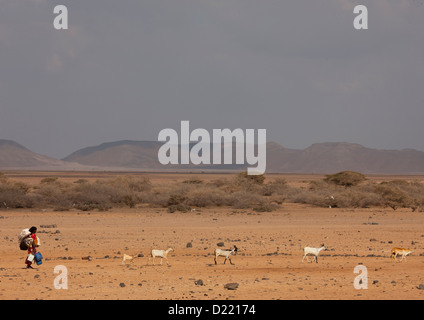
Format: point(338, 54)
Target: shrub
point(393, 196)
point(345, 178)
point(48, 180)
point(264, 205)
point(175, 199)
point(256, 179)
point(193, 180)
point(3, 178)
point(243, 200)
point(179, 207)
point(207, 196)
point(81, 181)
point(14, 196)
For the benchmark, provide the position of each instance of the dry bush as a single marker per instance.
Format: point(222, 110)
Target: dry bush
point(81, 181)
point(245, 182)
point(219, 183)
point(83, 195)
point(244, 200)
point(239, 192)
point(256, 179)
point(131, 183)
point(15, 195)
point(175, 199)
point(91, 196)
point(277, 186)
point(53, 194)
point(48, 180)
point(326, 194)
point(193, 180)
point(401, 194)
point(265, 205)
point(208, 196)
point(345, 178)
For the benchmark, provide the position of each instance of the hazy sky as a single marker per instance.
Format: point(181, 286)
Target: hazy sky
point(126, 69)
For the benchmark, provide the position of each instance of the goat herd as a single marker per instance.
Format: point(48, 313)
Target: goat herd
point(307, 251)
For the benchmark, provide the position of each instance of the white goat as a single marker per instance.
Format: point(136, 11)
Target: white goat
point(160, 253)
point(312, 251)
point(225, 253)
point(127, 257)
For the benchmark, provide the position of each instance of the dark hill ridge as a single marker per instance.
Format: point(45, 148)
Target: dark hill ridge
point(328, 157)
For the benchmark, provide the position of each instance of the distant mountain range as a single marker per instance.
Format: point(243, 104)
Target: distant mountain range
point(15, 156)
point(127, 155)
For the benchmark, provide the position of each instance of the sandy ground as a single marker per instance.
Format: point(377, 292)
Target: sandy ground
point(268, 265)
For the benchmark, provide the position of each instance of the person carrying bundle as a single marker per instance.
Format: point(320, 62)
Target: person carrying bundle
point(28, 240)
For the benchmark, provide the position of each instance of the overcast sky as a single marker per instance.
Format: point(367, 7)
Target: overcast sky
point(126, 69)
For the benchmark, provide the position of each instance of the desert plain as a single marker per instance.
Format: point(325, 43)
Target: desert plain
point(90, 245)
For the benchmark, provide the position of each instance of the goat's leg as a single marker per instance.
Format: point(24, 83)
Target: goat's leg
point(214, 259)
point(230, 261)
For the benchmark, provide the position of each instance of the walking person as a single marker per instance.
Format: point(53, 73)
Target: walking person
point(32, 244)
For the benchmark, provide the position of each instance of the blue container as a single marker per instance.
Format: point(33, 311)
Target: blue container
point(38, 258)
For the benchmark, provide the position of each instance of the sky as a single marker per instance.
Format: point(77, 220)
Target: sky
point(125, 70)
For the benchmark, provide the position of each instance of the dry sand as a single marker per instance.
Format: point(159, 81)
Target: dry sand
point(267, 267)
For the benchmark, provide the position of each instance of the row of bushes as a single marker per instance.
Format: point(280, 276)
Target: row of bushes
point(241, 191)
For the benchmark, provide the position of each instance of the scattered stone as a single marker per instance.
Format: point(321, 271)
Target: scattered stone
point(220, 244)
point(48, 226)
point(189, 245)
point(198, 282)
point(231, 286)
point(122, 284)
point(421, 286)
